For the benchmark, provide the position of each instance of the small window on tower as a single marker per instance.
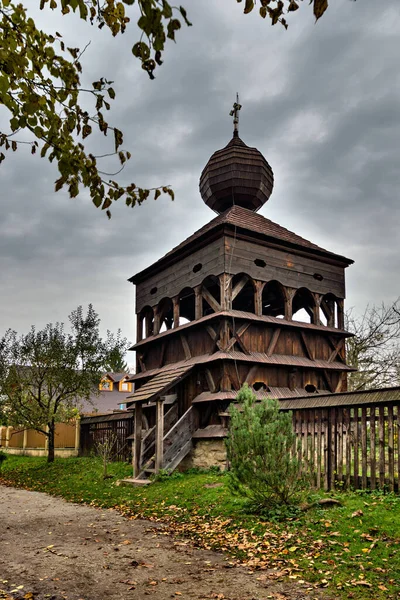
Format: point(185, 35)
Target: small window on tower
point(260, 386)
point(310, 388)
point(259, 262)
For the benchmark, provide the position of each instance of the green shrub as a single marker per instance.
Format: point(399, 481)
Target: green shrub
point(259, 448)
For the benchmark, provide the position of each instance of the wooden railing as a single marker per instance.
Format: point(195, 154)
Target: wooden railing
point(178, 440)
point(149, 438)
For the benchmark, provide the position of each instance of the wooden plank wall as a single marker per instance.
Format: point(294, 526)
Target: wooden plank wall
point(289, 268)
point(351, 447)
point(173, 279)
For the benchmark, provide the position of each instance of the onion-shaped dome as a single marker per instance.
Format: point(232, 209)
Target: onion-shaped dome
point(236, 175)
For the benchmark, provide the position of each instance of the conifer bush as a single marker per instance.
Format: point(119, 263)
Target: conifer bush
point(263, 467)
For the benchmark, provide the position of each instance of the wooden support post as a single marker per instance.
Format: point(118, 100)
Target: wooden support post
point(157, 323)
point(198, 300)
point(139, 328)
point(340, 314)
point(175, 302)
point(77, 433)
point(258, 297)
point(159, 434)
point(289, 295)
point(225, 282)
point(315, 309)
point(137, 444)
point(25, 439)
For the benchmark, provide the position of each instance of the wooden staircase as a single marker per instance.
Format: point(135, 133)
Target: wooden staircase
point(176, 442)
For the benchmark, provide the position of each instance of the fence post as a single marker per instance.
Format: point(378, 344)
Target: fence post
point(159, 434)
point(137, 446)
point(8, 431)
point(25, 440)
point(77, 433)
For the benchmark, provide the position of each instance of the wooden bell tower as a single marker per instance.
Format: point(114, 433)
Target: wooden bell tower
point(241, 300)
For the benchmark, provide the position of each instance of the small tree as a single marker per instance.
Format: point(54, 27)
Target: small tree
point(117, 346)
point(375, 348)
point(45, 375)
point(259, 448)
point(107, 449)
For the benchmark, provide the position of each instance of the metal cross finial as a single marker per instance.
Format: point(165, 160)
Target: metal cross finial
point(235, 114)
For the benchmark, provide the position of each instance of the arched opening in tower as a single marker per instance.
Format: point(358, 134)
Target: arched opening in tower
point(328, 310)
point(243, 293)
point(273, 299)
point(186, 306)
point(211, 293)
point(303, 306)
point(166, 314)
point(147, 321)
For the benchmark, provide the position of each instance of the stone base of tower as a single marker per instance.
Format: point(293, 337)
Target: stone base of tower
point(206, 454)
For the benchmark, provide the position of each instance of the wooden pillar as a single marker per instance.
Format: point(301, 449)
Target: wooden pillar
point(315, 310)
point(258, 297)
point(148, 324)
point(289, 295)
point(157, 323)
point(225, 282)
point(340, 313)
point(198, 302)
point(137, 443)
point(175, 303)
point(139, 327)
point(77, 433)
point(25, 439)
point(159, 434)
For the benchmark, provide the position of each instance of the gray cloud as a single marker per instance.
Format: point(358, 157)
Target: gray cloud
point(320, 101)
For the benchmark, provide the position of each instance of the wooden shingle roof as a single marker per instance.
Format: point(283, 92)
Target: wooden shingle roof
point(248, 221)
point(159, 384)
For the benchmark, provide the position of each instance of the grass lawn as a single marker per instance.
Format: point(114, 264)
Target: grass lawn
point(353, 550)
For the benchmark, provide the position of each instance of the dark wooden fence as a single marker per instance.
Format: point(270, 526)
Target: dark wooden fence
point(96, 429)
point(348, 441)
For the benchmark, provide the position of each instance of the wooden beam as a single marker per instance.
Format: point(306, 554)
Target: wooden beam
point(273, 342)
point(141, 362)
point(225, 291)
point(239, 286)
point(137, 442)
point(185, 346)
point(328, 380)
point(251, 373)
point(215, 305)
point(258, 297)
point(175, 303)
point(337, 348)
point(198, 302)
point(159, 434)
point(210, 380)
point(234, 377)
point(235, 338)
point(241, 344)
point(306, 346)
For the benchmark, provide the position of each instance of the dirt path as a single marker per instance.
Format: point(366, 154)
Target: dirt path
point(58, 550)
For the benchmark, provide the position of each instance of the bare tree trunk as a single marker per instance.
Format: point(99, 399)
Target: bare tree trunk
point(50, 456)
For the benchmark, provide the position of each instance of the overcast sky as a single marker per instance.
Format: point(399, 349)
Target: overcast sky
point(320, 101)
